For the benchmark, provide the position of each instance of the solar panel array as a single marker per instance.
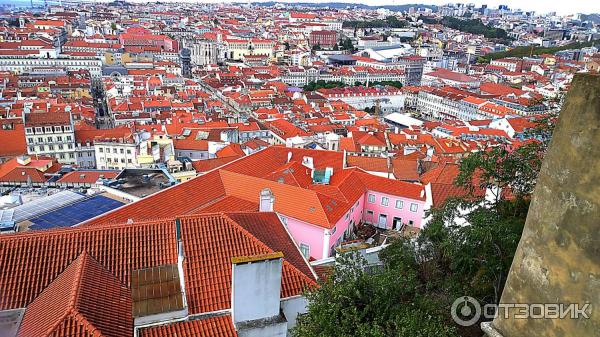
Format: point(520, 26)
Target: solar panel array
point(46, 204)
point(75, 213)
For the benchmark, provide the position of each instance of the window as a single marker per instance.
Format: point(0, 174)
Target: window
point(128, 151)
point(69, 138)
point(347, 216)
point(57, 129)
point(49, 139)
point(372, 198)
point(122, 151)
point(414, 207)
point(67, 128)
point(59, 138)
point(385, 201)
point(410, 222)
point(28, 130)
point(100, 150)
point(30, 140)
point(305, 250)
point(399, 204)
point(283, 220)
point(333, 230)
point(48, 129)
point(382, 221)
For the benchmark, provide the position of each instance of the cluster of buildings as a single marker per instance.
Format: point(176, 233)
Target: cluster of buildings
point(225, 155)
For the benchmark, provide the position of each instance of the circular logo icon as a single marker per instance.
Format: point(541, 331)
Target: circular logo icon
point(466, 311)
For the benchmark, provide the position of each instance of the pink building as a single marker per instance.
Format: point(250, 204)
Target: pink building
point(317, 197)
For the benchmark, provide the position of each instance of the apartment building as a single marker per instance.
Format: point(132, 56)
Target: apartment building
point(50, 134)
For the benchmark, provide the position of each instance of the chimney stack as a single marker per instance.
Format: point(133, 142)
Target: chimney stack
point(255, 295)
point(266, 200)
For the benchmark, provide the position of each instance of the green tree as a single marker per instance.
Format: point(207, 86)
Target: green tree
point(347, 44)
point(466, 249)
point(353, 302)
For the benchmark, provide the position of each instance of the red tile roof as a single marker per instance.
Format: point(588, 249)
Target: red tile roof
point(247, 177)
point(31, 261)
point(84, 300)
point(216, 326)
point(86, 176)
point(13, 141)
point(210, 241)
point(47, 118)
point(206, 165)
point(228, 204)
point(231, 150)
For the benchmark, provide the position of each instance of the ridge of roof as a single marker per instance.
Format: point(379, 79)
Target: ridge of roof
point(64, 302)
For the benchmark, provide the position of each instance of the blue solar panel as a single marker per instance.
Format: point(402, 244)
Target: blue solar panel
point(75, 213)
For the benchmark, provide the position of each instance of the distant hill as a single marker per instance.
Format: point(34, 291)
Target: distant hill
point(594, 17)
point(342, 5)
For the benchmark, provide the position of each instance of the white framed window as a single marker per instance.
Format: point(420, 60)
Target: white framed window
point(48, 129)
point(28, 131)
point(305, 250)
point(372, 198)
point(385, 201)
point(399, 204)
point(414, 207)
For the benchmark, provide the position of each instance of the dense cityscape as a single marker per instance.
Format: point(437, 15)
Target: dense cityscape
point(289, 169)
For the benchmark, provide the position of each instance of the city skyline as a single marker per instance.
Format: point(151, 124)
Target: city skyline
point(539, 6)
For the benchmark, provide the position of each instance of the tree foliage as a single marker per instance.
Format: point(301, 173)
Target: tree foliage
point(389, 22)
point(473, 26)
point(312, 86)
point(525, 51)
point(466, 248)
point(389, 302)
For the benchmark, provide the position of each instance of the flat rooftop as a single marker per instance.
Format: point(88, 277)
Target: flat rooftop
point(142, 182)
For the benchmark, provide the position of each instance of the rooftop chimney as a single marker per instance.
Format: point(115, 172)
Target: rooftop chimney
point(266, 200)
point(23, 160)
point(255, 294)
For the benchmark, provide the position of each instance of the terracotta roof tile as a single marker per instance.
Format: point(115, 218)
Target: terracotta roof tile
point(216, 326)
point(85, 299)
point(31, 261)
point(209, 243)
